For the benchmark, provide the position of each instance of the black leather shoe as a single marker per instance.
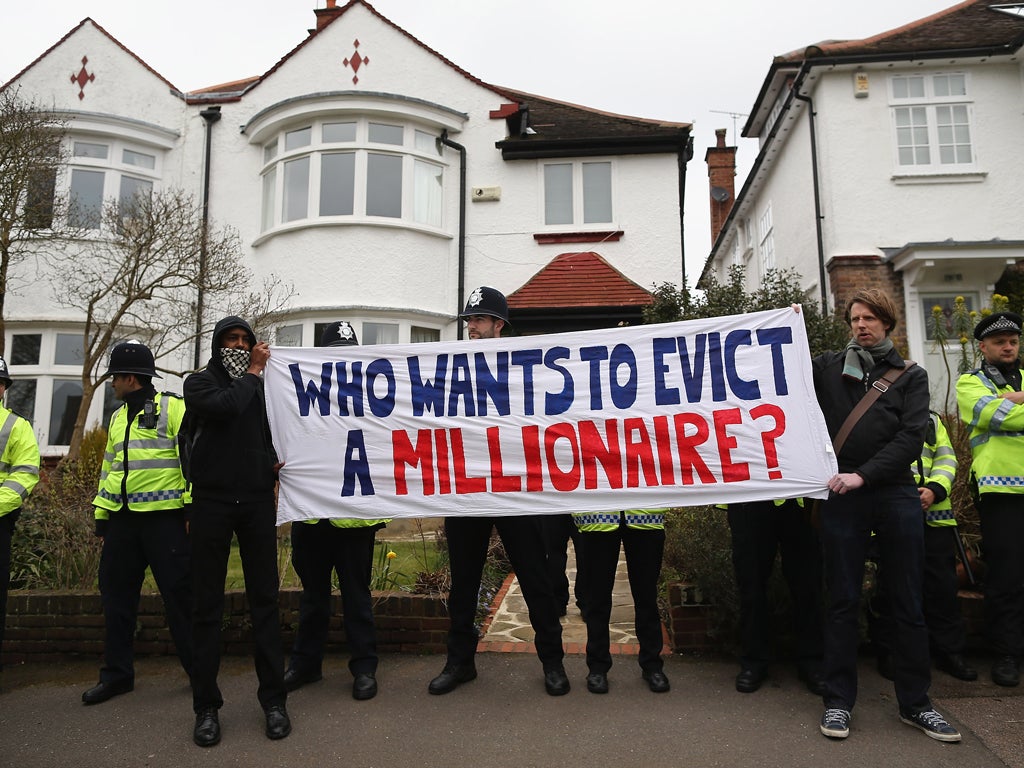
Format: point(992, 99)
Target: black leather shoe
point(956, 665)
point(597, 682)
point(364, 687)
point(278, 724)
point(207, 730)
point(656, 681)
point(1006, 672)
point(556, 682)
point(814, 680)
point(105, 691)
point(294, 679)
point(450, 679)
point(749, 680)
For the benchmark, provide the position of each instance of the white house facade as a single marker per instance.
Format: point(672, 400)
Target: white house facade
point(892, 161)
point(378, 178)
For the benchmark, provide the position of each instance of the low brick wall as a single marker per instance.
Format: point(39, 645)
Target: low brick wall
point(45, 626)
point(689, 619)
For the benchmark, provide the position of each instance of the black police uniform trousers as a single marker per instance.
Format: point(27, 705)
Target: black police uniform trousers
point(558, 530)
point(760, 530)
point(212, 524)
point(946, 630)
point(134, 540)
point(893, 512)
point(596, 577)
point(6, 533)
point(1002, 539)
point(317, 549)
point(468, 539)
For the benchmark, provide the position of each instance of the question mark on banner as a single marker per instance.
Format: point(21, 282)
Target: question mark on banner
point(771, 456)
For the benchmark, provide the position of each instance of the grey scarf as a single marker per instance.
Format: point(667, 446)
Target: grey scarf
point(236, 361)
point(859, 361)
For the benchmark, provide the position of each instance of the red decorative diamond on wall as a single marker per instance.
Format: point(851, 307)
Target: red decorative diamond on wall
point(356, 61)
point(82, 78)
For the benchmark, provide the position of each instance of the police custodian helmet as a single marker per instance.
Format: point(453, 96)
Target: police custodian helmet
point(131, 357)
point(487, 301)
point(5, 375)
point(339, 334)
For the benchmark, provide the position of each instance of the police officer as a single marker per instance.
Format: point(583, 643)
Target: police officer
point(140, 514)
point(19, 473)
point(992, 404)
point(934, 471)
point(641, 532)
point(346, 546)
point(486, 314)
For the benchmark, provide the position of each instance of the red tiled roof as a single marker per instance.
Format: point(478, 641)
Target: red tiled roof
point(581, 279)
point(966, 26)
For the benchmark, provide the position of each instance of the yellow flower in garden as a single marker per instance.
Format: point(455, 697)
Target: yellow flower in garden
point(391, 555)
point(963, 339)
point(937, 309)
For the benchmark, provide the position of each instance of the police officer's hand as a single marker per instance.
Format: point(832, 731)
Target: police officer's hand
point(927, 498)
point(1016, 398)
point(845, 482)
point(258, 358)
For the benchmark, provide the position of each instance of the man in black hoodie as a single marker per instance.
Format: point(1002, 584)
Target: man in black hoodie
point(233, 469)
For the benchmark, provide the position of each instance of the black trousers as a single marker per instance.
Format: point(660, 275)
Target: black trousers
point(468, 538)
point(596, 576)
point(211, 528)
point(558, 530)
point(317, 549)
point(6, 533)
point(761, 530)
point(133, 541)
point(1002, 538)
point(946, 631)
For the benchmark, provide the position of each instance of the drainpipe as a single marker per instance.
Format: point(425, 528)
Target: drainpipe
point(817, 193)
point(462, 222)
point(685, 155)
point(210, 115)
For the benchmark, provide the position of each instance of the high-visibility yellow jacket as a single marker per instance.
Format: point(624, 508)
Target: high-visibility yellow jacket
point(937, 466)
point(649, 519)
point(144, 461)
point(19, 461)
point(997, 433)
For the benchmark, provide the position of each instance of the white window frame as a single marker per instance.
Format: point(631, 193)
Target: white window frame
point(926, 109)
point(417, 155)
point(113, 167)
point(578, 201)
point(766, 240)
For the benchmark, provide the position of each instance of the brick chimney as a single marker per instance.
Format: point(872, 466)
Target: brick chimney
point(325, 16)
point(721, 162)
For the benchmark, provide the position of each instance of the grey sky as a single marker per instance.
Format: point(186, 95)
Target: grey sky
point(677, 60)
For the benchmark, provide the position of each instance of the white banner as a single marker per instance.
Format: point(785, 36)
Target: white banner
point(675, 414)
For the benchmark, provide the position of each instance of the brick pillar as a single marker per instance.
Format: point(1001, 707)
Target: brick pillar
point(721, 161)
point(849, 274)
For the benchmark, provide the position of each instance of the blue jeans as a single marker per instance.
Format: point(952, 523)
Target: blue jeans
point(894, 514)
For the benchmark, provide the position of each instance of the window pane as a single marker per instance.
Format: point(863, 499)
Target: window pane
point(419, 335)
point(957, 85)
point(269, 151)
point(289, 336)
point(67, 396)
point(25, 348)
point(337, 184)
point(597, 192)
point(88, 149)
point(339, 132)
point(21, 398)
point(296, 189)
point(269, 191)
point(142, 160)
point(384, 186)
point(899, 87)
point(299, 138)
point(69, 349)
point(380, 333)
point(380, 133)
point(915, 87)
point(427, 142)
point(558, 194)
point(86, 203)
point(427, 193)
point(941, 85)
point(133, 192)
point(39, 199)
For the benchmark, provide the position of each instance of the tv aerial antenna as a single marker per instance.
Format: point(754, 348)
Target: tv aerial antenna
point(734, 115)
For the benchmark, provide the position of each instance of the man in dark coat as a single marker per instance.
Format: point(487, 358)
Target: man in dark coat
point(232, 466)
